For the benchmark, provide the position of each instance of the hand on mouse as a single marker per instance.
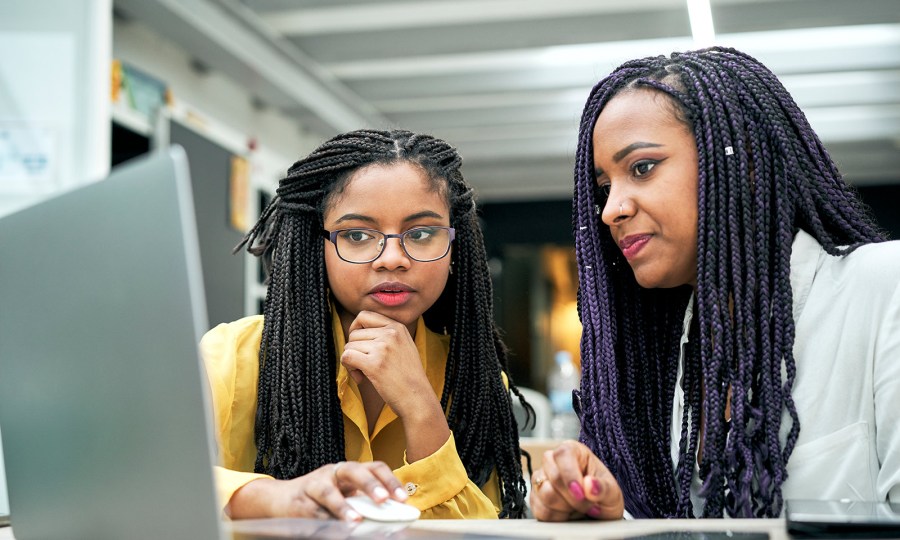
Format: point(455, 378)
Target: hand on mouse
point(387, 511)
point(320, 494)
point(571, 483)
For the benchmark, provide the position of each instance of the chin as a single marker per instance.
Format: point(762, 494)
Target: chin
point(654, 281)
point(645, 279)
point(657, 283)
point(653, 276)
point(405, 315)
point(648, 284)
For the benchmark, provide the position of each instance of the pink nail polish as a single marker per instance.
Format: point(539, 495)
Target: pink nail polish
point(576, 491)
point(595, 486)
point(594, 512)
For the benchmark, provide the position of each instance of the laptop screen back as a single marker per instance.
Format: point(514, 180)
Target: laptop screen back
point(101, 395)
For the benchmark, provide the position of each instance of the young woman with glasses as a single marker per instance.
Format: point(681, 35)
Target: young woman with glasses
point(377, 367)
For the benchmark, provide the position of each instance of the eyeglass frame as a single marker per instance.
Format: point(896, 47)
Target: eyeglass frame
point(331, 236)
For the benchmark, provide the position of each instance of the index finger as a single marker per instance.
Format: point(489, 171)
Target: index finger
point(567, 469)
point(598, 494)
point(370, 319)
point(374, 478)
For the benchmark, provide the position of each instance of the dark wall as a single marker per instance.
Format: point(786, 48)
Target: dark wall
point(526, 223)
point(126, 144)
point(510, 229)
point(550, 222)
point(223, 273)
point(513, 235)
point(885, 204)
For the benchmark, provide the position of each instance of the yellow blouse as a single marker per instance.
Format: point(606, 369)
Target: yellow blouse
point(438, 484)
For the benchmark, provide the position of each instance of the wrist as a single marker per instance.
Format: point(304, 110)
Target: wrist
point(417, 403)
point(426, 431)
point(423, 415)
point(254, 499)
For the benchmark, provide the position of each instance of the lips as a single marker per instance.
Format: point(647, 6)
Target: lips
point(391, 293)
point(631, 245)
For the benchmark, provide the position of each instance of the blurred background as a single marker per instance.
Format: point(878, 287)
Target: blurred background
point(249, 86)
point(505, 81)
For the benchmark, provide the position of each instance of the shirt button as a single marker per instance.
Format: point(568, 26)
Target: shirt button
point(411, 488)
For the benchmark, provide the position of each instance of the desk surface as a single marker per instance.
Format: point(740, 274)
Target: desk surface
point(607, 529)
point(586, 529)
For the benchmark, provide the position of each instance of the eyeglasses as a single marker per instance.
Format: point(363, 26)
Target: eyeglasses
point(360, 246)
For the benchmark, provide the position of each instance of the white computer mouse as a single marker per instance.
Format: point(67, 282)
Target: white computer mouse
point(389, 510)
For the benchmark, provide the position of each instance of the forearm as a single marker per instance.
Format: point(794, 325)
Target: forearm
point(253, 500)
point(426, 430)
point(229, 481)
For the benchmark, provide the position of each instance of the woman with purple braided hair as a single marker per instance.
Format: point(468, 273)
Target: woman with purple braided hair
point(376, 368)
point(741, 311)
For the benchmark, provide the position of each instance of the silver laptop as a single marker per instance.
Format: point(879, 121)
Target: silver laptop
point(102, 406)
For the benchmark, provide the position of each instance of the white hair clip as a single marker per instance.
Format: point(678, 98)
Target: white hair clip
point(729, 151)
point(583, 227)
point(597, 209)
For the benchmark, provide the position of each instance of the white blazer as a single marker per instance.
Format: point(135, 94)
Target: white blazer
point(847, 388)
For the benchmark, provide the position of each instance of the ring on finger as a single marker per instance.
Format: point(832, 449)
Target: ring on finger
point(538, 481)
point(337, 466)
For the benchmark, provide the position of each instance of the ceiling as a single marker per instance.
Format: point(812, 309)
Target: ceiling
point(505, 80)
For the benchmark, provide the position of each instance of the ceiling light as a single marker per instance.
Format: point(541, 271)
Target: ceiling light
point(701, 22)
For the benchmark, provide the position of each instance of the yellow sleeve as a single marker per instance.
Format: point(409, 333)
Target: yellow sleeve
point(229, 481)
point(230, 357)
point(439, 486)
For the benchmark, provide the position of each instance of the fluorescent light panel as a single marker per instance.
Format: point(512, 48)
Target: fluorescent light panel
point(701, 22)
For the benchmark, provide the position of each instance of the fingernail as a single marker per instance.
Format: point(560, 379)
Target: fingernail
point(595, 486)
point(594, 512)
point(400, 493)
point(352, 515)
point(576, 491)
point(380, 493)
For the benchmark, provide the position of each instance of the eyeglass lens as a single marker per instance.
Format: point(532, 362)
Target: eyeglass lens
point(422, 243)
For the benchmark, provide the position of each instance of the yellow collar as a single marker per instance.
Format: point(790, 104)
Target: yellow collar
point(432, 348)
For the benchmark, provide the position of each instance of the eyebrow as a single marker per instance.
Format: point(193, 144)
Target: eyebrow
point(369, 219)
point(620, 155)
point(354, 217)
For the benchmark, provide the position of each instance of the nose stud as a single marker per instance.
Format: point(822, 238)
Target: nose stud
point(621, 209)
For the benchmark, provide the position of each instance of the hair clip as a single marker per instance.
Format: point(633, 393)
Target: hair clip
point(583, 227)
point(729, 150)
point(597, 209)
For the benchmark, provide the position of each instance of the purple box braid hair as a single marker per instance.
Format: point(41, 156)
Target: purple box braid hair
point(776, 179)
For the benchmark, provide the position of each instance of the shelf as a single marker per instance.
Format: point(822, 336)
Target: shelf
point(131, 119)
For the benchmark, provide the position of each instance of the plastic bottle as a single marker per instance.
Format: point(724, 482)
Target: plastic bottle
point(562, 380)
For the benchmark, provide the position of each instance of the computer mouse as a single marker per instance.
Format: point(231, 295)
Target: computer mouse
point(389, 510)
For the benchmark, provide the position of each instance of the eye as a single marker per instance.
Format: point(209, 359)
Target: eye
point(601, 192)
point(420, 234)
point(356, 236)
point(643, 167)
